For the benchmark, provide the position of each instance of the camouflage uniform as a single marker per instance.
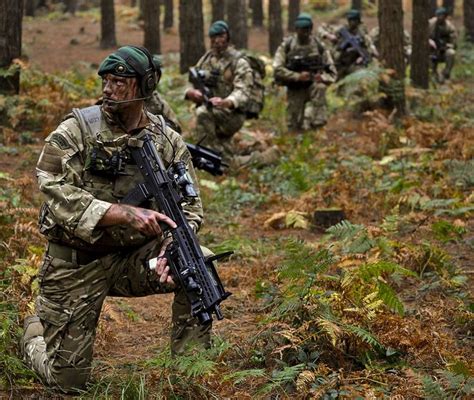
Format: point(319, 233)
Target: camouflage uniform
point(307, 107)
point(444, 35)
point(85, 263)
point(345, 59)
point(157, 105)
point(234, 79)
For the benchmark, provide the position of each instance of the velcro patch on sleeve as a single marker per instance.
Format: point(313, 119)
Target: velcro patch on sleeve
point(50, 159)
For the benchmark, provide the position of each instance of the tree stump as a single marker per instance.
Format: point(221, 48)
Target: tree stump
point(326, 217)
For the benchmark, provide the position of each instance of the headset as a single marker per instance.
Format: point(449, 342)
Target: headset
point(149, 77)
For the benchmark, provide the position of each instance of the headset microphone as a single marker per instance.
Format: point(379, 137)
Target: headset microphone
point(124, 101)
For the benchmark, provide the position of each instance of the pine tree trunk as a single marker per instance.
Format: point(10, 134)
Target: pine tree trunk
point(30, 7)
point(449, 5)
point(293, 11)
point(107, 24)
point(420, 58)
point(168, 20)
point(356, 4)
point(257, 13)
point(218, 10)
point(433, 5)
point(468, 8)
point(275, 29)
point(10, 43)
point(237, 20)
point(151, 19)
point(191, 33)
point(70, 6)
point(390, 15)
point(133, 3)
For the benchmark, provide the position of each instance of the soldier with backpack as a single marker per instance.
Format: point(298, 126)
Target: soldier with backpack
point(230, 92)
point(305, 67)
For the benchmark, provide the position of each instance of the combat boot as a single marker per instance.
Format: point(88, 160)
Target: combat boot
point(32, 328)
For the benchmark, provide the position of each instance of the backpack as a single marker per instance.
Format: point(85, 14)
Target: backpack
point(257, 91)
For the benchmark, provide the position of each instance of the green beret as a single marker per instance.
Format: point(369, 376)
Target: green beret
point(218, 28)
point(116, 63)
point(441, 11)
point(353, 14)
point(303, 21)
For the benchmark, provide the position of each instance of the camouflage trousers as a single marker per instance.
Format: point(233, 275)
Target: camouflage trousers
point(69, 305)
point(446, 57)
point(216, 126)
point(307, 107)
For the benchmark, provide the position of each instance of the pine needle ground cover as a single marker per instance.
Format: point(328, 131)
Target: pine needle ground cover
point(377, 306)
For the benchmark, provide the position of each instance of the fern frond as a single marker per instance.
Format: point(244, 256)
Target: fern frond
point(344, 230)
point(433, 390)
point(363, 335)
point(374, 270)
point(390, 298)
point(330, 328)
point(241, 376)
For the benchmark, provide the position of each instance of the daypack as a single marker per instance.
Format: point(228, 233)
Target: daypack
point(257, 91)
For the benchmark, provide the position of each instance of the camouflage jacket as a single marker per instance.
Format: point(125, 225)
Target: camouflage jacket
point(157, 105)
point(290, 48)
point(79, 186)
point(348, 57)
point(444, 35)
point(233, 75)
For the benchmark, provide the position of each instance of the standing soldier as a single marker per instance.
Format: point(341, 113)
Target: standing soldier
point(305, 67)
point(354, 48)
point(228, 77)
point(442, 43)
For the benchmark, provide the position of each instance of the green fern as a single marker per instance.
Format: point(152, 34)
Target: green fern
point(241, 376)
point(282, 377)
point(364, 335)
point(374, 270)
point(390, 298)
point(433, 390)
point(344, 230)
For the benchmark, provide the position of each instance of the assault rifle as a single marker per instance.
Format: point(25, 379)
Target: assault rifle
point(300, 63)
point(197, 79)
point(206, 159)
point(350, 41)
point(194, 273)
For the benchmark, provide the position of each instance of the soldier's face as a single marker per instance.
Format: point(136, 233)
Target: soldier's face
point(117, 89)
point(353, 23)
point(303, 34)
point(441, 18)
point(219, 43)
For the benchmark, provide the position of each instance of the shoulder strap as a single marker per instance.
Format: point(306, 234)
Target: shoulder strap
point(89, 119)
point(203, 58)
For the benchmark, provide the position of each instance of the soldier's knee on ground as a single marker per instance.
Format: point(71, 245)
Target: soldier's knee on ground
point(70, 379)
point(186, 329)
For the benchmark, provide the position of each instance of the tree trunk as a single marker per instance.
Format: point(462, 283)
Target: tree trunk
point(275, 29)
point(257, 13)
point(141, 11)
point(30, 7)
point(133, 3)
point(218, 10)
point(357, 4)
point(107, 24)
point(433, 5)
point(168, 20)
point(151, 20)
point(10, 43)
point(420, 58)
point(449, 5)
point(468, 8)
point(70, 6)
point(237, 19)
point(293, 11)
point(390, 16)
point(191, 33)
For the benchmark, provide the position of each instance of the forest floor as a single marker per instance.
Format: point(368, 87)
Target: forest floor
point(434, 337)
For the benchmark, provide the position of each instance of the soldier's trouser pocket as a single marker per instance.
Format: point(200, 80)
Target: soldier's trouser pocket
point(69, 333)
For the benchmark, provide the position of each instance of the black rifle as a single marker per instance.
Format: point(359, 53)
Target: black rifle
point(301, 63)
point(350, 41)
point(206, 159)
point(198, 81)
point(194, 273)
